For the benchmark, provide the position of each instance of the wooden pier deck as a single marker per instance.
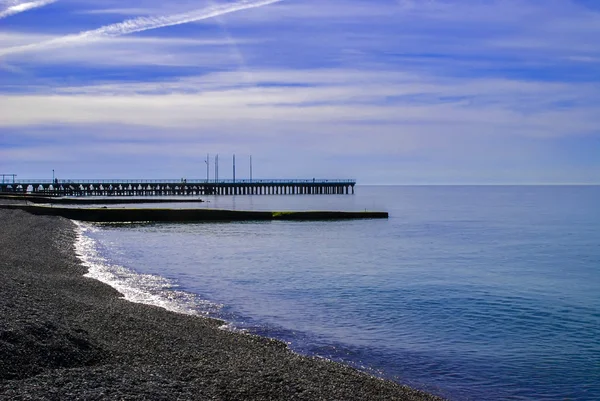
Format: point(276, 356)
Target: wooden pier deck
point(181, 187)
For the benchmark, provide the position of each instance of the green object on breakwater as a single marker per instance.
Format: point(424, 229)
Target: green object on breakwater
point(105, 215)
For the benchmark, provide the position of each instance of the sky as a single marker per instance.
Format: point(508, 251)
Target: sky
point(382, 91)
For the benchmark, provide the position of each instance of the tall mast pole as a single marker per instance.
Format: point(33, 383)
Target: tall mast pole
point(234, 168)
point(207, 167)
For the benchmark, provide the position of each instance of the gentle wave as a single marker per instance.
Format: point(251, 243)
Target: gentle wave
point(139, 288)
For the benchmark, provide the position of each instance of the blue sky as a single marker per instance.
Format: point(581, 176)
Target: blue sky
point(384, 91)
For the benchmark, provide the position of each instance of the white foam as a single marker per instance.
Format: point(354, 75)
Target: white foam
point(228, 326)
point(140, 288)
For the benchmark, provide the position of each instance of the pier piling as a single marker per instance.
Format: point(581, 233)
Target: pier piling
point(181, 187)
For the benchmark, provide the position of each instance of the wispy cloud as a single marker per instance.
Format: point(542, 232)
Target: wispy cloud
point(16, 7)
point(141, 24)
point(332, 102)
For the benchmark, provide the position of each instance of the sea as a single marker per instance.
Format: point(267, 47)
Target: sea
point(467, 292)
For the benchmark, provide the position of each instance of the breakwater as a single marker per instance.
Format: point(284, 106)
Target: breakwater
point(189, 215)
point(33, 198)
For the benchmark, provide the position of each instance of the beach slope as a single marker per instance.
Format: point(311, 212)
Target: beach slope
point(67, 337)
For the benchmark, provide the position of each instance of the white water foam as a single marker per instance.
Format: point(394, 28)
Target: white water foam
point(139, 288)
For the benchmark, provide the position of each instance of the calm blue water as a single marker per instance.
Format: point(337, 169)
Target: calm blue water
point(471, 293)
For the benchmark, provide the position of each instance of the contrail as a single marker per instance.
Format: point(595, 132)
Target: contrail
point(142, 24)
point(19, 7)
point(234, 47)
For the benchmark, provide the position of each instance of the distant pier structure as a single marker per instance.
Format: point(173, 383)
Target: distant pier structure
point(181, 187)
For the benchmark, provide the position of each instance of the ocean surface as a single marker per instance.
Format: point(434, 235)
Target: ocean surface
point(471, 293)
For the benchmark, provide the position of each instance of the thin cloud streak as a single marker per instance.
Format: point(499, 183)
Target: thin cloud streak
point(19, 7)
point(141, 24)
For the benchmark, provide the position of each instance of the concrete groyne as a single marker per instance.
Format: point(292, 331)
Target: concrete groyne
point(108, 215)
point(55, 200)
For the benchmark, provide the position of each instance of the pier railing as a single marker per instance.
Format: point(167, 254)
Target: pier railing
point(184, 180)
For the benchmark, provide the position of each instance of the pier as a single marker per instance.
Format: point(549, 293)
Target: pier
point(180, 187)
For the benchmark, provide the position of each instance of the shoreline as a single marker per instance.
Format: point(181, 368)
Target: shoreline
point(66, 336)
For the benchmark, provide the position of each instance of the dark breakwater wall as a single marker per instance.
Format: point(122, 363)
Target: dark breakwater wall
point(85, 201)
point(189, 215)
